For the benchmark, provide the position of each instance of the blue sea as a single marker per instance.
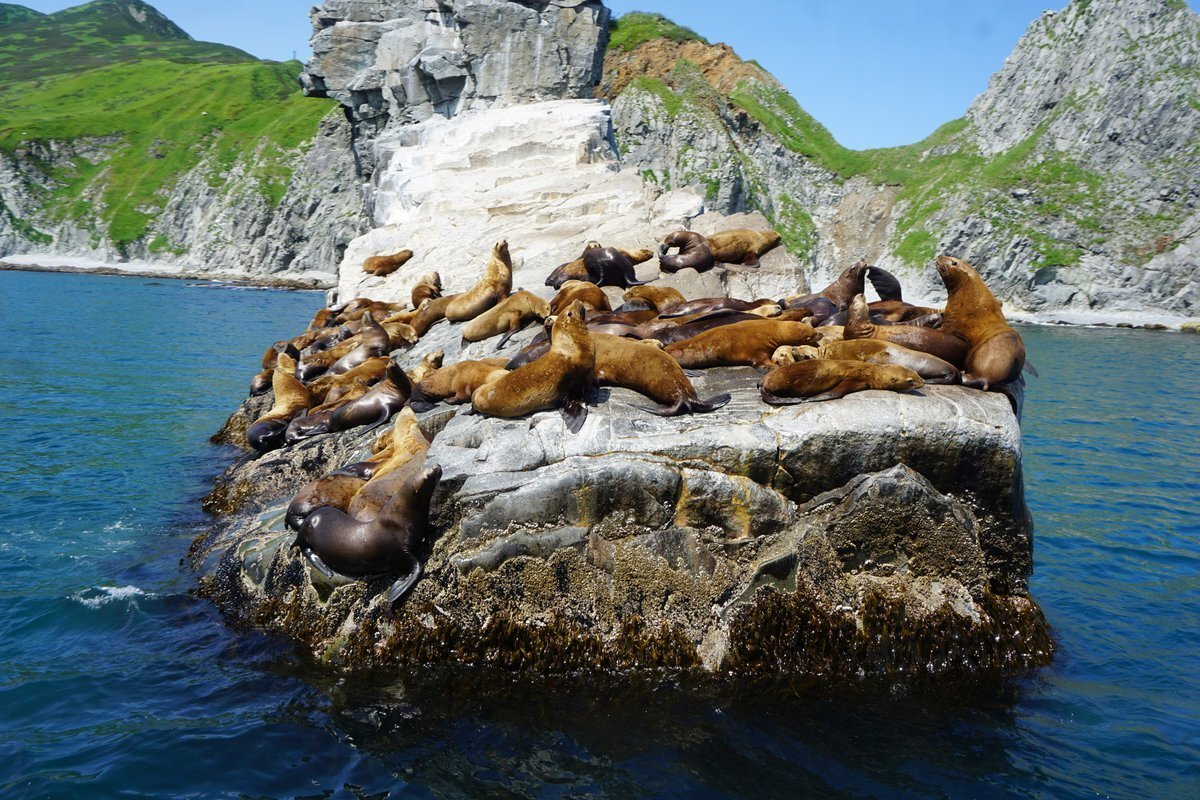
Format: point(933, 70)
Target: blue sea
point(115, 681)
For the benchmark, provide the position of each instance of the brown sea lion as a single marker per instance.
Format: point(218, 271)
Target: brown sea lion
point(262, 381)
point(429, 287)
point(378, 308)
point(336, 489)
point(374, 341)
point(645, 368)
point(836, 296)
point(317, 419)
point(377, 405)
point(557, 379)
point(406, 455)
point(291, 398)
point(455, 383)
point(997, 353)
point(506, 317)
point(431, 311)
point(494, 286)
point(321, 319)
point(663, 298)
point(824, 379)
point(316, 364)
point(382, 266)
point(400, 335)
point(687, 327)
point(750, 343)
point(694, 252)
point(940, 343)
point(429, 362)
point(369, 372)
point(874, 351)
point(741, 246)
point(762, 306)
point(334, 541)
point(586, 292)
point(577, 270)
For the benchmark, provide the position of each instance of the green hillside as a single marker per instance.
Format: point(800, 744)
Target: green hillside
point(12, 14)
point(160, 103)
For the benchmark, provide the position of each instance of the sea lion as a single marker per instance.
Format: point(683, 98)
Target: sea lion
point(494, 286)
point(687, 327)
point(377, 405)
point(400, 335)
point(940, 343)
point(369, 372)
point(741, 246)
point(663, 298)
point(374, 341)
point(750, 343)
point(997, 353)
point(316, 420)
point(321, 319)
point(824, 379)
point(557, 379)
point(429, 287)
point(455, 383)
point(405, 455)
point(890, 307)
point(262, 381)
point(836, 296)
point(586, 292)
point(577, 270)
point(762, 306)
point(873, 351)
point(429, 362)
point(317, 364)
point(291, 398)
point(608, 266)
point(645, 368)
point(430, 311)
point(336, 489)
point(334, 541)
point(382, 266)
point(378, 308)
point(693, 252)
point(506, 317)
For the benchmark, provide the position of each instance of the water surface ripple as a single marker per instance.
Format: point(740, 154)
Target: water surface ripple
point(115, 681)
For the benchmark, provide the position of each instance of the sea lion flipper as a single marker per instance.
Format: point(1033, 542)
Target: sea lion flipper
point(886, 285)
point(403, 585)
point(750, 259)
point(694, 373)
point(1030, 369)
point(776, 400)
point(574, 413)
point(318, 564)
point(711, 404)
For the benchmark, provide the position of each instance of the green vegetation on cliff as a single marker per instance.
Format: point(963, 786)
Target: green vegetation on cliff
point(636, 27)
point(148, 104)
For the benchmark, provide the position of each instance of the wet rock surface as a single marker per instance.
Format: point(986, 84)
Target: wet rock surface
point(881, 534)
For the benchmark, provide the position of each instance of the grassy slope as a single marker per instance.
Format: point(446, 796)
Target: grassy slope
point(924, 173)
point(11, 14)
point(167, 101)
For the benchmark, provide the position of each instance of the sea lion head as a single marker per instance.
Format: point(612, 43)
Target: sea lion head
point(858, 311)
point(431, 279)
point(954, 272)
point(500, 251)
point(898, 379)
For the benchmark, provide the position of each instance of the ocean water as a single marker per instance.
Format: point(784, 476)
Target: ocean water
point(116, 682)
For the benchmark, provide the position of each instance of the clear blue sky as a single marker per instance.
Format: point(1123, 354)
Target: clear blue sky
point(876, 73)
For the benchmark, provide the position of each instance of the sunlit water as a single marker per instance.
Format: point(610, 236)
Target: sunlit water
point(115, 681)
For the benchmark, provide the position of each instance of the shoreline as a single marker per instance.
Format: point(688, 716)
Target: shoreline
point(85, 266)
point(72, 266)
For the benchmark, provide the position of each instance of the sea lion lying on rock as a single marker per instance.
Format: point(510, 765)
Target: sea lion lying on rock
point(823, 379)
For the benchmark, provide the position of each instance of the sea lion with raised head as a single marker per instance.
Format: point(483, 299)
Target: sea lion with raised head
point(377, 405)
point(750, 343)
point(874, 351)
point(836, 296)
point(429, 287)
point(646, 369)
point(741, 245)
point(494, 286)
point(333, 541)
point(820, 379)
point(429, 362)
point(455, 383)
point(664, 299)
point(262, 381)
point(374, 341)
point(291, 398)
point(382, 266)
point(608, 266)
point(997, 353)
point(557, 379)
point(369, 372)
point(577, 270)
point(405, 454)
point(336, 489)
point(506, 317)
point(940, 343)
point(586, 292)
point(694, 252)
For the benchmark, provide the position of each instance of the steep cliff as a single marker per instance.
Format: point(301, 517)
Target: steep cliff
point(1070, 182)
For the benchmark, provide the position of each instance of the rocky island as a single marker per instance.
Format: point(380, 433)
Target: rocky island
point(882, 534)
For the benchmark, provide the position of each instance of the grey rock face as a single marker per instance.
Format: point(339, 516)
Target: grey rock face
point(750, 539)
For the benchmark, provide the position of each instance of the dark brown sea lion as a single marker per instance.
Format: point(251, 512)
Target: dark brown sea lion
point(694, 252)
point(494, 286)
point(506, 317)
point(762, 307)
point(557, 379)
point(997, 353)
point(940, 343)
point(291, 398)
point(750, 343)
point(577, 270)
point(382, 266)
point(645, 368)
point(586, 292)
point(316, 420)
point(455, 383)
point(336, 542)
point(369, 372)
point(374, 341)
point(608, 266)
point(836, 296)
point(336, 489)
point(317, 364)
point(262, 381)
point(429, 287)
point(824, 379)
point(321, 319)
point(663, 298)
point(741, 246)
point(874, 351)
point(376, 406)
